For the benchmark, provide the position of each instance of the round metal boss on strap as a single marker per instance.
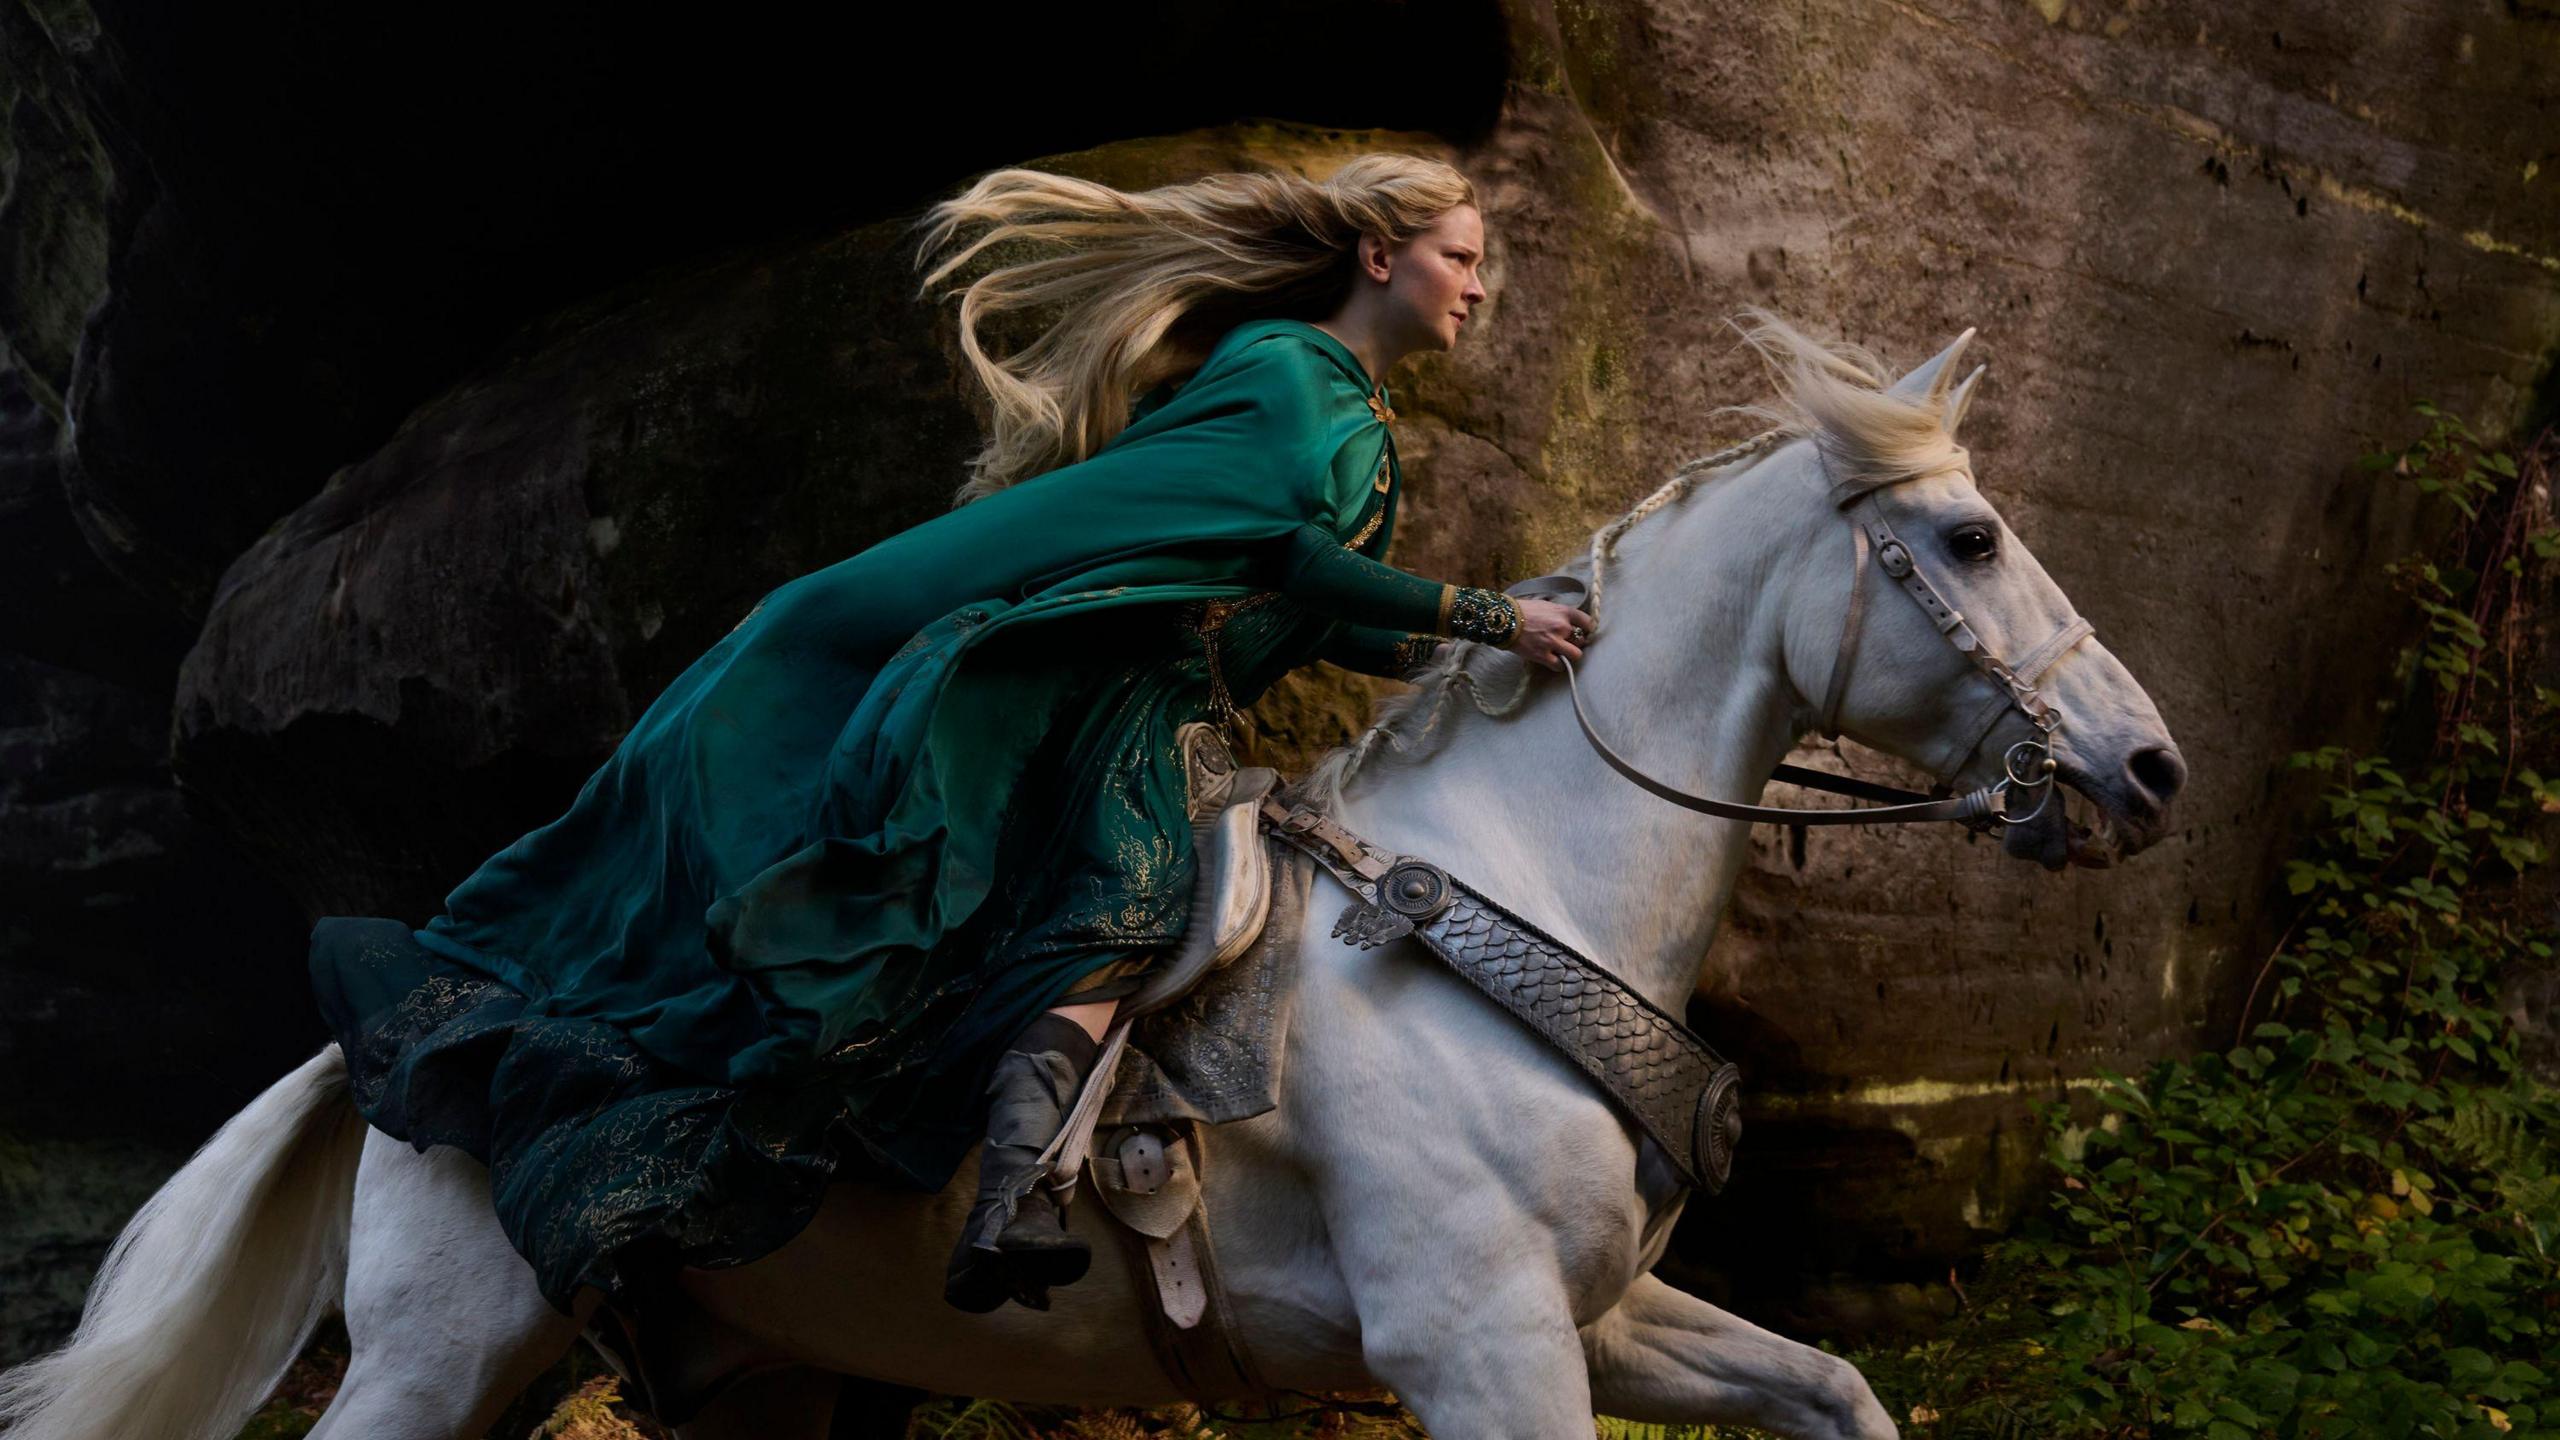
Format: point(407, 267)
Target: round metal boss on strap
point(1416, 889)
point(1717, 1128)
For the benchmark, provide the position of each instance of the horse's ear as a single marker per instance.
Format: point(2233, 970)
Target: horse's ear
point(1927, 385)
point(1962, 397)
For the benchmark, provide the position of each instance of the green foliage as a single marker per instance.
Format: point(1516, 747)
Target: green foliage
point(2347, 1223)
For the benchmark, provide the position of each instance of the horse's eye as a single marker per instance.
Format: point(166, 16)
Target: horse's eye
point(1973, 543)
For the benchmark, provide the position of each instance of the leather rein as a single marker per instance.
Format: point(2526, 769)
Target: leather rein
point(2028, 765)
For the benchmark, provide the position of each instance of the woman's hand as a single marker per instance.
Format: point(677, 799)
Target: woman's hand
point(1550, 634)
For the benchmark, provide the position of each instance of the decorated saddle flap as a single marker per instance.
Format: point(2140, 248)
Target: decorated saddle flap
point(1214, 1055)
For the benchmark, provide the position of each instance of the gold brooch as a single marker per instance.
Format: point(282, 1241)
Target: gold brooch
point(1379, 408)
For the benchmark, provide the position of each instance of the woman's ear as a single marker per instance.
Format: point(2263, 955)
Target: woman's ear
point(1377, 257)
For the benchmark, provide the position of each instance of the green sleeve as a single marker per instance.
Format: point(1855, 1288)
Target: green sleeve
point(1342, 584)
point(1376, 650)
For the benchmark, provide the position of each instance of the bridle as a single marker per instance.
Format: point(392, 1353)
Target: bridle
point(2028, 765)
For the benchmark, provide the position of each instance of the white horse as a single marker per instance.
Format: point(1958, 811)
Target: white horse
point(1441, 1205)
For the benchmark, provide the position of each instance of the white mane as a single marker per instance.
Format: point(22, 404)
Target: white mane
point(1832, 393)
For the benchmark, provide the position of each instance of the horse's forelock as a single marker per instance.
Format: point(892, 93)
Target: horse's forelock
point(1840, 396)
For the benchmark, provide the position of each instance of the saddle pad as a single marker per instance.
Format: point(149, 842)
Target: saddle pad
point(1214, 1055)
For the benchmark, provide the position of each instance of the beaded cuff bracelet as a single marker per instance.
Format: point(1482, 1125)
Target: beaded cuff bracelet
point(1487, 617)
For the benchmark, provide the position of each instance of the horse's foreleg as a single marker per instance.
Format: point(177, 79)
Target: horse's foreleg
point(1664, 1355)
point(444, 1320)
point(1492, 1357)
point(1457, 1313)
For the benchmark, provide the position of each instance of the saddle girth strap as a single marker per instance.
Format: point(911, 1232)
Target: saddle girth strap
point(1675, 1087)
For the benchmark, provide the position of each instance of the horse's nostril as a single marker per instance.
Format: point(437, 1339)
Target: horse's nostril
point(2158, 773)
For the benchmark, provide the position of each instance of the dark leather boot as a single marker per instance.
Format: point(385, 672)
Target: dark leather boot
point(1015, 1244)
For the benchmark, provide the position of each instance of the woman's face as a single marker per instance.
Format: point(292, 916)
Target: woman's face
point(1432, 284)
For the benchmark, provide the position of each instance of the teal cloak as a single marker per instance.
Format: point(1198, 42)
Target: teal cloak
point(894, 814)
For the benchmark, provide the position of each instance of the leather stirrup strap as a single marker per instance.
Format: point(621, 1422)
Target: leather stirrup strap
point(1064, 1158)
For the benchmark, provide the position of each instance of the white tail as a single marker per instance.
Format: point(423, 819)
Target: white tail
point(216, 1283)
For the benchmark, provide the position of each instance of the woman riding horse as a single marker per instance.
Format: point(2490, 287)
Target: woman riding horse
point(898, 843)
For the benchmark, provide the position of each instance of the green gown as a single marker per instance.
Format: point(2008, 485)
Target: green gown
point(903, 807)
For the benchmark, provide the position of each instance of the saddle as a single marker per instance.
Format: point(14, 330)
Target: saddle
point(1197, 1045)
point(1231, 892)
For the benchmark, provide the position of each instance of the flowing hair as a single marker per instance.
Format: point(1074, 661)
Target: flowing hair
point(1147, 281)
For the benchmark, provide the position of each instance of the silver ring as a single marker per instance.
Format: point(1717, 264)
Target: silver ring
point(1580, 634)
point(2040, 763)
point(2044, 797)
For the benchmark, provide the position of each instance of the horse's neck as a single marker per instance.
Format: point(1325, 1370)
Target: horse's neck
point(1686, 680)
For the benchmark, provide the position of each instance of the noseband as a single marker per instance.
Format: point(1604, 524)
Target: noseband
point(2026, 766)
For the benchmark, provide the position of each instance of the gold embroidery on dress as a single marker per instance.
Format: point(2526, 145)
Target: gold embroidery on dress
point(1376, 520)
point(1208, 618)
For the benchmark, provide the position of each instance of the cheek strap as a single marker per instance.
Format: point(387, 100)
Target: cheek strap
point(1828, 721)
point(2012, 686)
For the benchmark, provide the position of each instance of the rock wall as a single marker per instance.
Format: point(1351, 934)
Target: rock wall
point(2215, 253)
point(432, 514)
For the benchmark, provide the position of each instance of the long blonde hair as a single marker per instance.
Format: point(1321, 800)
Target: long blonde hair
point(1149, 280)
